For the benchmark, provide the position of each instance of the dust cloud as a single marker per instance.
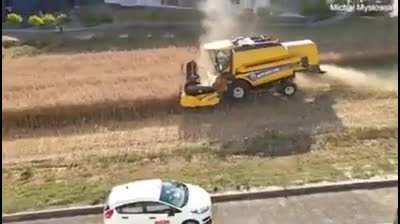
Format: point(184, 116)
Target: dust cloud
point(359, 79)
point(220, 22)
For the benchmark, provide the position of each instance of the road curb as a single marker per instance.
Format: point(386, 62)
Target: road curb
point(305, 190)
point(222, 197)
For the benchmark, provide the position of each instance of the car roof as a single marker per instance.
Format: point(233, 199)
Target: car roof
point(143, 190)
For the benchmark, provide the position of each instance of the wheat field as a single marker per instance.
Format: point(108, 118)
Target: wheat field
point(52, 87)
point(53, 80)
point(57, 89)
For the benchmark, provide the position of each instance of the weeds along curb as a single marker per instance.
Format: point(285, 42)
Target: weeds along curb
point(218, 198)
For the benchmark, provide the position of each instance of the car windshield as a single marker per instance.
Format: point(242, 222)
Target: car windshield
point(174, 193)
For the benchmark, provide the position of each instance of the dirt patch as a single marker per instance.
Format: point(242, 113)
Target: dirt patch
point(269, 143)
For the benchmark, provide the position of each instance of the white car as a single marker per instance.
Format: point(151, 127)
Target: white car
point(157, 202)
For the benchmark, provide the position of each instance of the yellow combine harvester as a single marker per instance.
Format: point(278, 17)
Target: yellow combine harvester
point(249, 63)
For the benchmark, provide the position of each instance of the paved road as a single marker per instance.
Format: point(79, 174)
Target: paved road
point(354, 207)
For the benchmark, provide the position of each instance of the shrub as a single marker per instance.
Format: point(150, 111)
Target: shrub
point(48, 19)
point(61, 19)
point(14, 19)
point(35, 20)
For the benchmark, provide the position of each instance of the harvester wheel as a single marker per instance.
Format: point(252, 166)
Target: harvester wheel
point(288, 88)
point(239, 90)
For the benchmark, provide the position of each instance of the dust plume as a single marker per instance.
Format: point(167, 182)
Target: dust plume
point(220, 22)
point(359, 79)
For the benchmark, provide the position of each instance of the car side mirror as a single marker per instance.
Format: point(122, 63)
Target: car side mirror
point(171, 212)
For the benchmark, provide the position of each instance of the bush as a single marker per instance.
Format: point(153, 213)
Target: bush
point(35, 20)
point(61, 19)
point(48, 20)
point(14, 19)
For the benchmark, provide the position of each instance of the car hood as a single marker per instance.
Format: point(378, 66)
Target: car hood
point(198, 197)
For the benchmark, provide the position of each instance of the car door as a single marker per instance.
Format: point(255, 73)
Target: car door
point(160, 213)
point(131, 213)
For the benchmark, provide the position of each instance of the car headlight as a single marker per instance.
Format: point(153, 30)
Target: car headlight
point(201, 210)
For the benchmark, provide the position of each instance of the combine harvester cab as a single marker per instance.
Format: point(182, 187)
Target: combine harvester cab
point(250, 63)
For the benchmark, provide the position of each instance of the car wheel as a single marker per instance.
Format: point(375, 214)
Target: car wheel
point(288, 88)
point(239, 90)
